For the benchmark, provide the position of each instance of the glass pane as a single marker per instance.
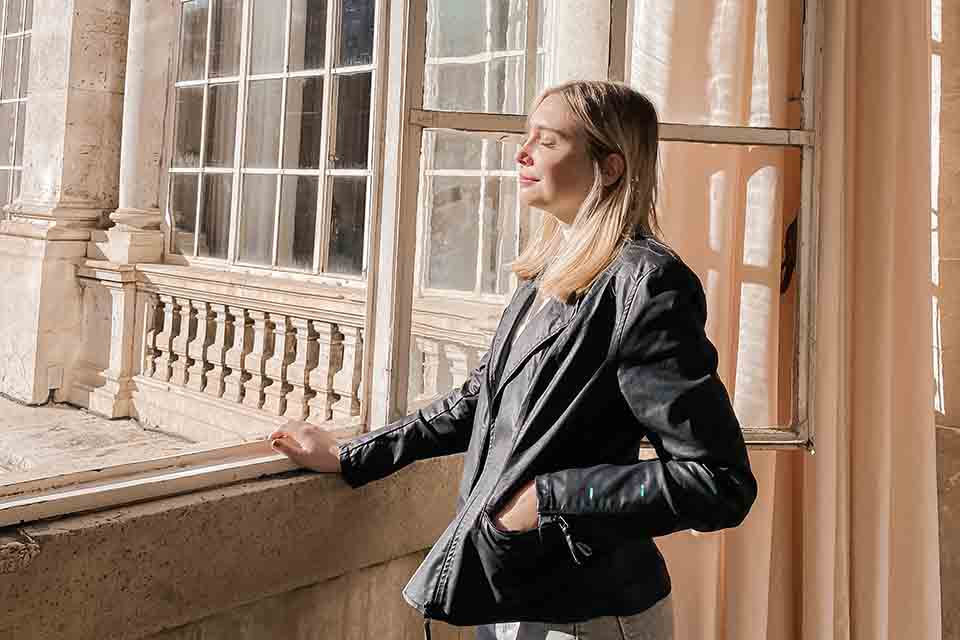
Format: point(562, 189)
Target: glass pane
point(11, 68)
point(14, 16)
point(454, 87)
point(264, 102)
point(189, 127)
point(269, 29)
point(506, 86)
point(501, 155)
point(452, 150)
point(356, 32)
point(8, 133)
point(215, 215)
point(193, 40)
point(21, 127)
point(458, 28)
point(728, 63)
point(221, 125)
point(454, 205)
point(347, 219)
point(298, 222)
point(499, 233)
point(28, 15)
point(308, 34)
point(256, 219)
point(225, 44)
point(353, 121)
point(304, 128)
point(25, 69)
point(17, 175)
point(5, 187)
point(726, 209)
point(183, 210)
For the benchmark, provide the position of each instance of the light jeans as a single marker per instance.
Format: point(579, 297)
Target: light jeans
point(656, 623)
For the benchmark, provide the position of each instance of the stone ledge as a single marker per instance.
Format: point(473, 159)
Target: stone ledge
point(130, 572)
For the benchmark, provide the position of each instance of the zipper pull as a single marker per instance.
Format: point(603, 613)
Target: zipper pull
point(426, 628)
point(580, 551)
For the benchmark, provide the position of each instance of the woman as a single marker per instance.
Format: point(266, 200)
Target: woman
point(601, 347)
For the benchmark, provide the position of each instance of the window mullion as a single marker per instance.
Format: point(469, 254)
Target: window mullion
point(288, 22)
point(234, 223)
point(530, 57)
point(327, 120)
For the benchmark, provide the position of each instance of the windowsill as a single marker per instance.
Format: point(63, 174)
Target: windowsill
point(165, 563)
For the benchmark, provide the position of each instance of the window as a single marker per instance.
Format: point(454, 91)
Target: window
point(735, 86)
point(16, 27)
point(272, 160)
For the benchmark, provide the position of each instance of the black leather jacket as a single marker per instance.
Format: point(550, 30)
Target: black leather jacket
point(568, 406)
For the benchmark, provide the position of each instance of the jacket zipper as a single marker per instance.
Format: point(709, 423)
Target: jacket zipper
point(579, 551)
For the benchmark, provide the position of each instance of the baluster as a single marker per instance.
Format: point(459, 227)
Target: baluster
point(256, 362)
point(346, 382)
point(181, 344)
point(153, 324)
point(429, 386)
point(197, 349)
point(329, 361)
point(217, 351)
point(298, 372)
point(459, 361)
point(171, 327)
point(241, 337)
point(275, 368)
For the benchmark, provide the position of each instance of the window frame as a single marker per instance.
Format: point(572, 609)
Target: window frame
point(325, 172)
point(15, 170)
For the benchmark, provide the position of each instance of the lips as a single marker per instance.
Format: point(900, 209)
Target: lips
point(525, 179)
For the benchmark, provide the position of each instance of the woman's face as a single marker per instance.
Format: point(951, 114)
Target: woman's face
point(556, 172)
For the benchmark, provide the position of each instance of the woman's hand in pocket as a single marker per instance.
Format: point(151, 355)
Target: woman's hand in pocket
point(520, 513)
point(308, 445)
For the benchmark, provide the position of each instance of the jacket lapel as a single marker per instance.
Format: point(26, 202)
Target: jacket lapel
point(522, 299)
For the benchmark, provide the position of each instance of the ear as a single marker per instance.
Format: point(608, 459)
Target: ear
point(611, 168)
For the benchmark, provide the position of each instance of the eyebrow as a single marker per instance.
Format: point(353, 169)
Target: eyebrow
point(531, 125)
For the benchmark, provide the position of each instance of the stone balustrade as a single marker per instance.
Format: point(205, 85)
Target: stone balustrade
point(283, 365)
point(437, 366)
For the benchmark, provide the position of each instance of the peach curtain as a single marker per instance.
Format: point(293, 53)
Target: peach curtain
point(841, 544)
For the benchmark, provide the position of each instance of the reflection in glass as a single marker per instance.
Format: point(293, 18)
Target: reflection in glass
point(11, 68)
point(14, 17)
point(183, 210)
point(508, 29)
point(356, 32)
point(353, 121)
point(221, 124)
point(8, 132)
point(193, 40)
point(225, 46)
point(189, 126)
point(256, 219)
point(266, 41)
point(308, 34)
point(453, 150)
point(215, 216)
point(262, 144)
point(21, 126)
point(499, 233)
point(729, 63)
point(506, 86)
point(456, 28)
point(298, 222)
point(304, 128)
point(453, 233)
point(346, 225)
point(454, 87)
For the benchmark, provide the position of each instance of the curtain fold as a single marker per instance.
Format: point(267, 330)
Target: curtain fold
point(843, 544)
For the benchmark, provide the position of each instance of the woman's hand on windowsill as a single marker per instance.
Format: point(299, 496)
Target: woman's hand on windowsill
point(307, 445)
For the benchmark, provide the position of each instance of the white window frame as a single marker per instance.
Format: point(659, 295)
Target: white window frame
point(324, 173)
point(15, 170)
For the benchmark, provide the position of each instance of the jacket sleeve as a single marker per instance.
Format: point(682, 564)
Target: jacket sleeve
point(666, 368)
point(441, 428)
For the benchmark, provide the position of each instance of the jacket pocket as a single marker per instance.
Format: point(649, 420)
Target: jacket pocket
point(512, 560)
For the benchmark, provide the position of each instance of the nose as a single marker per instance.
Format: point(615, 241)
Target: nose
point(523, 158)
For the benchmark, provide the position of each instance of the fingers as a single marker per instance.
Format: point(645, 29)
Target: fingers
point(288, 447)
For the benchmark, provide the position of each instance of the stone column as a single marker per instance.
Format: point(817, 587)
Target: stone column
point(69, 182)
point(136, 237)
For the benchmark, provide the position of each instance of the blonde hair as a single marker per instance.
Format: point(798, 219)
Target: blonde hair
point(612, 118)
